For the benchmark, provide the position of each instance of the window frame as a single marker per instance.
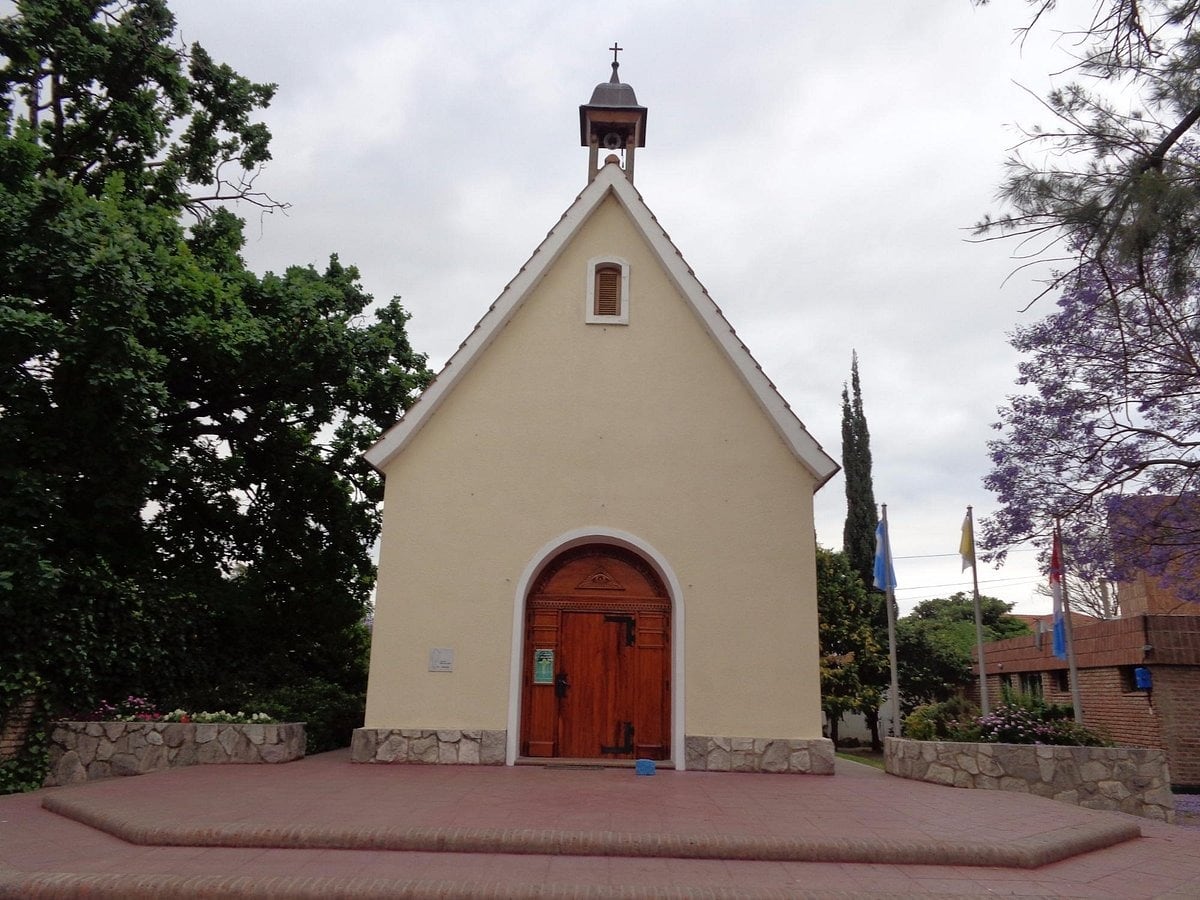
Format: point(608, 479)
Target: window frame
point(595, 264)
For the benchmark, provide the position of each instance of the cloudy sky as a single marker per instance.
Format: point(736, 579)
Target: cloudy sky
point(818, 163)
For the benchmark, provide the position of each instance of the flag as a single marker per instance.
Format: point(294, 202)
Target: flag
point(966, 546)
point(1056, 573)
point(885, 576)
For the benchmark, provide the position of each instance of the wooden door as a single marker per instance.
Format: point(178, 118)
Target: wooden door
point(598, 619)
point(595, 710)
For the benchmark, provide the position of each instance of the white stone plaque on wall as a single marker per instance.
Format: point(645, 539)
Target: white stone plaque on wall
point(441, 659)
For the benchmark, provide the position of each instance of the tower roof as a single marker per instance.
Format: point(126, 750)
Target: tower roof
point(613, 103)
point(614, 92)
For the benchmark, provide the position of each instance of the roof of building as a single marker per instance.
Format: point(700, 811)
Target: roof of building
point(609, 181)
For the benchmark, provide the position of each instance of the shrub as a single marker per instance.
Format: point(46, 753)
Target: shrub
point(919, 724)
point(1021, 719)
point(1037, 724)
point(220, 716)
point(950, 720)
point(131, 709)
point(330, 711)
point(139, 709)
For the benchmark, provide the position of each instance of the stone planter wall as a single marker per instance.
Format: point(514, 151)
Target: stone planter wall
point(428, 746)
point(1128, 779)
point(723, 754)
point(81, 751)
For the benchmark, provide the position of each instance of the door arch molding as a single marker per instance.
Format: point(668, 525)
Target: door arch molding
point(534, 568)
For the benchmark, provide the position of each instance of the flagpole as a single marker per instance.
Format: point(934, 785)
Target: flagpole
point(1072, 670)
point(891, 620)
point(983, 691)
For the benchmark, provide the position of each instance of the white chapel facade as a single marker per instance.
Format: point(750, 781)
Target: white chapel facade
point(598, 538)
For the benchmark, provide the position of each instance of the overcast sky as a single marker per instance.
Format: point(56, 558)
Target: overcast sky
point(819, 164)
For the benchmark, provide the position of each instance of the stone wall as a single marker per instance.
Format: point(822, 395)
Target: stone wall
point(428, 746)
point(1128, 779)
point(81, 751)
point(487, 748)
point(723, 754)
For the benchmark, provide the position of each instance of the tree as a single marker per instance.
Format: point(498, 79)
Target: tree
point(104, 93)
point(1111, 410)
point(183, 508)
point(1111, 375)
point(1118, 172)
point(850, 652)
point(934, 644)
point(858, 534)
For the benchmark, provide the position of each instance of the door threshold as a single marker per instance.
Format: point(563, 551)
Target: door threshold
point(558, 762)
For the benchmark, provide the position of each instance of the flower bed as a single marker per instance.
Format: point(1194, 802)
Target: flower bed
point(1128, 779)
point(82, 751)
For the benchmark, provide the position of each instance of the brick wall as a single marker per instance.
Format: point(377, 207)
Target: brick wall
point(1174, 698)
point(1110, 642)
point(1173, 640)
point(1166, 716)
point(1126, 716)
point(15, 727)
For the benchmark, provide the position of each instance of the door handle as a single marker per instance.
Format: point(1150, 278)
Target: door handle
point(561, 684)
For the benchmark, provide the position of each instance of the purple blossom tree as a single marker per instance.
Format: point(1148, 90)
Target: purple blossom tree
point(1106, 434)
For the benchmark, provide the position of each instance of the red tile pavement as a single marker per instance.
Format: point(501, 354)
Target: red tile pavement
point(45, 854)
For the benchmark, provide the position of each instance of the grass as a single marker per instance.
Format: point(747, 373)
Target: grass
point(864, 756)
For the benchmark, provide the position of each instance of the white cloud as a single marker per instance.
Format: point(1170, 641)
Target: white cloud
point(818, 164)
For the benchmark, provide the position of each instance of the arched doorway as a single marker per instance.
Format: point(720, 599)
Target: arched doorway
point(596, 680)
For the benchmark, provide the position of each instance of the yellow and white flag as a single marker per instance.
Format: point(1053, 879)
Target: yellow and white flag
point(966, 546)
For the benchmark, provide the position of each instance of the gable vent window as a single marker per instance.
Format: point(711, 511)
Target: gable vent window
point(607, 291)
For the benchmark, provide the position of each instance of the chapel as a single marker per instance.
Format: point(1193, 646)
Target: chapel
point(598, 539)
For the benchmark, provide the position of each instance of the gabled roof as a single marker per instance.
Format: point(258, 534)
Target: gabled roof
point(610, 181)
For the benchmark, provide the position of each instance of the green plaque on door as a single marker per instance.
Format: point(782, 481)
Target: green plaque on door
point(543, 667)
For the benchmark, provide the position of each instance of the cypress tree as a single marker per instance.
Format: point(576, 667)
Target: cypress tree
point(858, 539)
point(858, 534)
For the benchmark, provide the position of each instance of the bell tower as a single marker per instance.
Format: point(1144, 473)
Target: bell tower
point(613, 120)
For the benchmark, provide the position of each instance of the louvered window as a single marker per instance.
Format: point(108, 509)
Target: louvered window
point(608, 291)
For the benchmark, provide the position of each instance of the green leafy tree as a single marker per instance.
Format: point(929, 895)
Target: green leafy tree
point(183, 509)
point(850, 652)
point(934, 644)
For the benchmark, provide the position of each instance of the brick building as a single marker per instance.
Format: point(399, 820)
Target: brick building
point(1156, 633)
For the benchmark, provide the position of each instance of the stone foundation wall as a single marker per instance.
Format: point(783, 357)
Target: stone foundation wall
point(724, 754)
point(1128, 779)
point(81, 751)
point(428, 746)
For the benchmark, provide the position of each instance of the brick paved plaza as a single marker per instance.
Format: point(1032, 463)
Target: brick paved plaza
point(322, 827)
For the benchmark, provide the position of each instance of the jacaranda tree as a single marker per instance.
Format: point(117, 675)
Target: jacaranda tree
point(1106, 435)
point(1103, 434)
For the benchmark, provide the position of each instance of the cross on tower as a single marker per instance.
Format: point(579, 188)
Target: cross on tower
point(615, 49)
